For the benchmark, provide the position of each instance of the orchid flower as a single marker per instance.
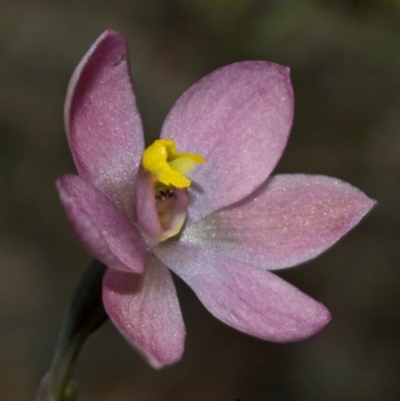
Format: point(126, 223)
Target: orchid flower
point(200, 201)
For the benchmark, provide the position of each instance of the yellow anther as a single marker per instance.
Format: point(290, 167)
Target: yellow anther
point(167, 165)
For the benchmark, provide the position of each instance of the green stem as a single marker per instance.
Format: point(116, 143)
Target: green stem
point(84, 315)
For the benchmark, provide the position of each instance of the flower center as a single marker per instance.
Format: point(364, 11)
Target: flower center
point(165, 198)
point(161, 189)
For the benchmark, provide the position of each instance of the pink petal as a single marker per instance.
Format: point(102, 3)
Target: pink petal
point(289, 220)
point(145, 309)
point(238, 118)
point(102, 120)
point(245, 297)
point(101, 227)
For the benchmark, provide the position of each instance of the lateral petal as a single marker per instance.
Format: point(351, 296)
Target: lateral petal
point(289, 220)
point(145, 309)
point(245, 297)
point(238, 118)
point(102, 121)
point(101, 227)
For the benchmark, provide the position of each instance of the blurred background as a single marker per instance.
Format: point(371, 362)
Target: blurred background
point(345, 60)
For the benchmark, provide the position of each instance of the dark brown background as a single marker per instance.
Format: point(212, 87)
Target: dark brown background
point(345, 60)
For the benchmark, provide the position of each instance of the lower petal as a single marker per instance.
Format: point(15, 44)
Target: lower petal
point(245, 297)
point(145, 309)
point(101, 227)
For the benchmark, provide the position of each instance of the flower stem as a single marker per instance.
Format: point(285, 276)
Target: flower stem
point(84, 315)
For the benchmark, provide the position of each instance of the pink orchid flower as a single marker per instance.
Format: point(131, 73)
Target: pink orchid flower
point(239, 222)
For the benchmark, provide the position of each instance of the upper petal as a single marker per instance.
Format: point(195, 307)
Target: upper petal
point(102, 228)
point(238, 118)
point(289, 220)
point(102, 120)
point(245, 297)
point(146, 311)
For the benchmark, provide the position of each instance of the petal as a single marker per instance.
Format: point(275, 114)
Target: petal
point(102, 120)
point(245, 297)
point(238, 118)
point(145, 309)
point(289, 220)
point(100, 226)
